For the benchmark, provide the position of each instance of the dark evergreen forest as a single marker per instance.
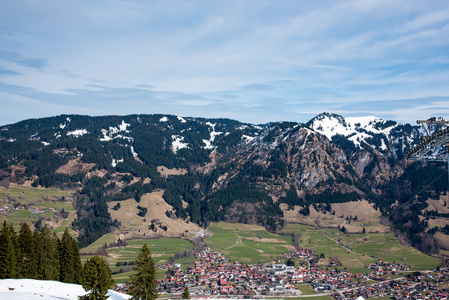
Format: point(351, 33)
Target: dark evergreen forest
point(39, 255)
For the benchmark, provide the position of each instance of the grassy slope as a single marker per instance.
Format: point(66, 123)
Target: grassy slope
point(38, 197)
point(253, 244)
point(379, 245)
point(138, 226)
point(162, 250)
point(247, 243)
point(26, 194)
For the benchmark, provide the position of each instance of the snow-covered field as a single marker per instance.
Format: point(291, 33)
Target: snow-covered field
point(23, 289)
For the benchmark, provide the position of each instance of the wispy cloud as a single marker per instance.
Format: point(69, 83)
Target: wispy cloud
point(255, 61)
point(6, 72)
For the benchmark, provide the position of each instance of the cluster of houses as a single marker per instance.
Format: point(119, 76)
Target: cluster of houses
point(324, 281)
point(421, 287)
point(302, 253)
point(5, 208)
point(33, 209)
point(383, 270)
point(212, 275)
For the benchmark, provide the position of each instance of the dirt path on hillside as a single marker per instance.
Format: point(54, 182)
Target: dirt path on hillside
point(338, 243)
point(237, 242)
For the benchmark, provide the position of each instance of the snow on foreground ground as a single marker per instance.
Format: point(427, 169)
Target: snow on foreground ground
point(23, 289)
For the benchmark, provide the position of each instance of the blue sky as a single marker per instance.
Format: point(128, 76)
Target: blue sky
point(253, 61)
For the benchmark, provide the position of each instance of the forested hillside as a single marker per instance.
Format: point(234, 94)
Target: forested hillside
point(214, 170)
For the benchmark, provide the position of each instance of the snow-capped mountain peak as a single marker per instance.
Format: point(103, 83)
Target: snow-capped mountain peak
point(329, 124)
point(357, 129)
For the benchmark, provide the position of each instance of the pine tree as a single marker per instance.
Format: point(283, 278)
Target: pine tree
point(8, 258)
point(69, 259)
point(143, 284)
point(15, 241)
point(97, 278)
point(65, 258)
point(186, 293)
point(26, 252)
point(50, 258)
point(78, 266)
point(38, 261)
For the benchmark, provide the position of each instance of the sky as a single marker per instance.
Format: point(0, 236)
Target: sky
point(254, 61)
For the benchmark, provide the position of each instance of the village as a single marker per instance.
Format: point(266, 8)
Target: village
point(32, 209)
point(213, 276)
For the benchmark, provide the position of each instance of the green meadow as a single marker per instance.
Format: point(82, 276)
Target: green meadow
point(162, 250)
point(95, 246)
point(249, 244)
point(26, 194)
point(253, 244)
point(306, 289)
point(38, 197)
point(365, 248)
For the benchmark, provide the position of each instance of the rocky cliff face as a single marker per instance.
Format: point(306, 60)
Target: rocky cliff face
point(312, 161)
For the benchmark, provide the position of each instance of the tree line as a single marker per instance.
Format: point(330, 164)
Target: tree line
point(42, 255)
point(39, 254)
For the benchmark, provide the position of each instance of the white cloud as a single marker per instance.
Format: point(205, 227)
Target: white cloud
point(182, 56)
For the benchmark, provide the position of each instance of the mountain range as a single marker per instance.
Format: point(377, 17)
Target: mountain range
point(223, 170)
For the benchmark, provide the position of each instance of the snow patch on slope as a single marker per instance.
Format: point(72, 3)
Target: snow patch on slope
point(248, 138)
point(133, 152)
point(64, 125)
point(123, 126)
point(177, 143)
point(112, 132)
point(303, 146)
point(358, 138)
point(78, 132)
point(163, 119)
point(213, 134)
point(182, 120)
point(115, 162)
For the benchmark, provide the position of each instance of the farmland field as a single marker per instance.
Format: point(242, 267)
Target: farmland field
point(162, 251)
point(253, 244)
point(26, 194)
point(306, 289)
point(249, 244)
point(365, 248)
point(50, 200)
point(95, 246)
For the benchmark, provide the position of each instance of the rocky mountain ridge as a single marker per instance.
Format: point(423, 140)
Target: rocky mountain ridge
point(232, 171)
